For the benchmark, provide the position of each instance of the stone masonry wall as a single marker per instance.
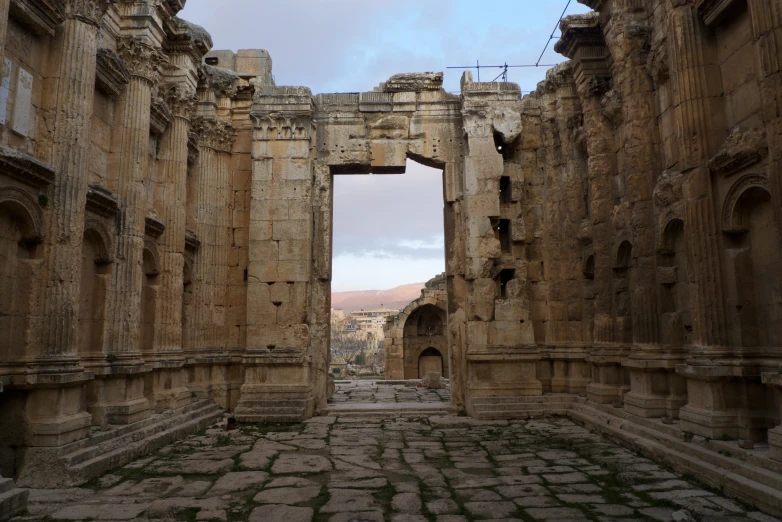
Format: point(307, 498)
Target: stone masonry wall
point(166, 212)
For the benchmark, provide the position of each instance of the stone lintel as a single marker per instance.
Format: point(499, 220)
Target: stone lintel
point(101, 201)
point(154, 226)
point(713, 11)
point(24, 168)
point(740, 150)
point(41, 16)
point(160, 117)
point(111, 75)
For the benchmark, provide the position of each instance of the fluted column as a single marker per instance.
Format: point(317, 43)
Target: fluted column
point(76, 50)
point(767, 28)
point(4, 5)
point(171, 206)
point(692, 58)
point(202, 183)
point(134, 106)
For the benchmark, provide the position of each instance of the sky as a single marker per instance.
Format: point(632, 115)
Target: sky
point(388, 229)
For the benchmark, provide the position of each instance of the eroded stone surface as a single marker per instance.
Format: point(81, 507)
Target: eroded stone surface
point(540, 469)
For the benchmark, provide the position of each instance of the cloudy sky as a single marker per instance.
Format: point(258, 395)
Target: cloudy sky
point(388, 230)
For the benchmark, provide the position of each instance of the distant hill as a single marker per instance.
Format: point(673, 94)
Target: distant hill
point(395, 299)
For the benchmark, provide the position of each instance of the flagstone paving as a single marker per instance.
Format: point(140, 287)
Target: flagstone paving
point(437, 469)
point(380, 392)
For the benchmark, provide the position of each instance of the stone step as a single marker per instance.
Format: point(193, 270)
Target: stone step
point(119, 430)
point(6, 484)
point(114, 439)
point(390, 409)
point(56, 468)
point(741, 480)
point(13, 502)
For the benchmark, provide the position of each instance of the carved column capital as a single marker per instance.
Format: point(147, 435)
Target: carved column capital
point(221, 81)
point(181, 100)
point(141, 59)
point(89, 11)
point(214, 134)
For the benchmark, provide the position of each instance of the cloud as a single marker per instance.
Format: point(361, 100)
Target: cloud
point(352, 45)
point(388, 230)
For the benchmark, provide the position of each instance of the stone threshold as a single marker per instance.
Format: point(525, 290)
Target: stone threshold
point(390, 409)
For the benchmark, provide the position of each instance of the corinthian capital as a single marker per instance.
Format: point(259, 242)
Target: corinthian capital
point(181, 100)
point(141, 59)
point(90, 11)
point(214, 134)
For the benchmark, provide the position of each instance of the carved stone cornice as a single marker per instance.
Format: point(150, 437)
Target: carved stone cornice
point(583, 42)
point(192, 148)
point(154, 226)
point(181, 100)
point(111, 75)
point(217, 135)
point(169, 8)
point(413, 82)
point(142, 60)
point(159, 117)
point(713, 11)
point(24, 168)
point(740, 150)
point(187, 38)
point(220, 81)
point(41, 16)
point(192, 243)
point(101, 201)
point(558, 77)
point(88, 11)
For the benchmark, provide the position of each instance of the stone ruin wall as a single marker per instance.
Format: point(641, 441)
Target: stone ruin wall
point(166, 223)
point(403, 346)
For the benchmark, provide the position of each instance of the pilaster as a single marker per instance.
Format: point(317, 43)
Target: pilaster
point(57, 414)
point(119, 398)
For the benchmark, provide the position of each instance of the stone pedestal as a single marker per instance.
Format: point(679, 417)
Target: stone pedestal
point(610, 380)
point(723, 401)
point(656, 390)
point(774, 380)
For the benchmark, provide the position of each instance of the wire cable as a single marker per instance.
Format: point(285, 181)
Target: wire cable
point(552, 32)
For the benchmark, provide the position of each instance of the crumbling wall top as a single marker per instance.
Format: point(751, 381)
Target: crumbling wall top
point(413, 82)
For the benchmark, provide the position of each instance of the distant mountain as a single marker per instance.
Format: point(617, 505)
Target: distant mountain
point(395, 299)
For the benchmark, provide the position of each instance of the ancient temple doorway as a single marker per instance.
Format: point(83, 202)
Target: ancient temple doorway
point(388, 242)
point(431, 360)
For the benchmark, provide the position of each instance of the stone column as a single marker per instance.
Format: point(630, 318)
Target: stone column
point(583, 42)
point(120, 397)
point(169, 381)
point(209, 202)
point(4, 5)
point(709, 411)
point(767, 28)
point(57, 415)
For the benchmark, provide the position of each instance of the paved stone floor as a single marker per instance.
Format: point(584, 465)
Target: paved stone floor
point(378, 391)
point(342, 469)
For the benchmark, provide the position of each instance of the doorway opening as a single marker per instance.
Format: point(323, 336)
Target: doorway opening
point(388, 243)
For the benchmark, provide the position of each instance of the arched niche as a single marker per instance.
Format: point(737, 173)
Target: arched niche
point(96, 267)
point(21, 225)
point(430, 360)
point(752, 258)
point(424, 328)
point(149, 297)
